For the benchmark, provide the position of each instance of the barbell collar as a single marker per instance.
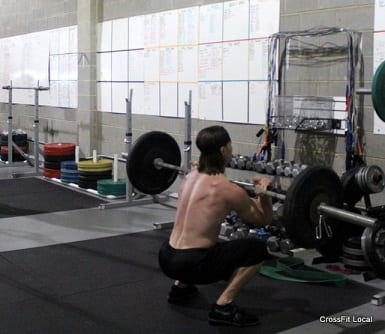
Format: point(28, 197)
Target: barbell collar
point(346, 216)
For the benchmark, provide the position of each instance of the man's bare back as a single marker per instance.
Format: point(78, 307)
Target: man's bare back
point(204, 201)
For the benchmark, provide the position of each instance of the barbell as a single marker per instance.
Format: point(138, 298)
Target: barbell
point(312, 204)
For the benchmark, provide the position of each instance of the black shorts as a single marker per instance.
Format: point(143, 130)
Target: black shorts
point(209, 265)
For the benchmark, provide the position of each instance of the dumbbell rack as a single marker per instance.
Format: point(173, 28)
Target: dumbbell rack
point(304, 48)
point(12, 145)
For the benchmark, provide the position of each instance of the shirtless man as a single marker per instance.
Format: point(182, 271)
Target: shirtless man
point(193, 254)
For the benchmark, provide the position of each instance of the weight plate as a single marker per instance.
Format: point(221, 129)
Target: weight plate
point(373, 245)
point(370, 179)
point(351, 192)
point(59, 148)
point(107, 174)
point(53, 158)
point(141, 170)
point(109, 187)
point(87, 184)
point(95, 170)
point(4, 149)
point(378, 91)
point(94, 178)
point(69, 165)
point(89, 165)
point(51, 173)
point(51, 165)
point(69, 171)
point(313, 186)
point(18, 136)
point(15, 157)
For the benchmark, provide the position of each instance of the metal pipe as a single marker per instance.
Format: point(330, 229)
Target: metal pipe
point(364, 91)
point(187, 133)
point(347, 216)
point(128, 141)
point(37, 88)
point(159, 163)
point(9, 121)
point(36, 129)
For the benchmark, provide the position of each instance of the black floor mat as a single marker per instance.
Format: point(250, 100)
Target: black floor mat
point(114, 285)
point(28, 196)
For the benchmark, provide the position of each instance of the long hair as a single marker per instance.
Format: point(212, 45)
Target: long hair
point(209, 141)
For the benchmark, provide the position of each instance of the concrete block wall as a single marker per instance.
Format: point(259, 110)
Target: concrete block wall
point(65, 124)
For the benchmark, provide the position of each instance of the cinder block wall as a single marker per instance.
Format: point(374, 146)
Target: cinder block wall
point(60, 124)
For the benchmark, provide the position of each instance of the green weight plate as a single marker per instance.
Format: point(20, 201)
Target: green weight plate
point(378, 91)
point(313, 186)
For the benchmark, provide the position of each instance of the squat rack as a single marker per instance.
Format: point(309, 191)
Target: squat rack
point(11, 144)
point(129, 201)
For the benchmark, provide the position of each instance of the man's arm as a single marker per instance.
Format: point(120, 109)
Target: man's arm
point(255, 211)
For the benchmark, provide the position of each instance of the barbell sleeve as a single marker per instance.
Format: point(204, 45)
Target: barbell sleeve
point(159, 163)
point(347, 216)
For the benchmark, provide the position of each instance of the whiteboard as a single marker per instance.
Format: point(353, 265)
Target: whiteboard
point(258, 101)
point(151, 98)
point(151, 32)
point(235, 20)
point(210, 101)
point(235, 101)
point(64, 94)
point(104, 31)
point(136, 32)
point(188, 64)
point(119, 93)
point(210, 62)
point(104, 96)
point(168, 28)
point(188, 26)
point(218, 50)
point(119, 33)
point(258, 59)
point(151, 64)
point(119, 71)
point(73, 39)
point(235, 60)
point(136, 65)
point(379, 15)
point(264, 18)
point(169, 99)
point(73, 94)
point(168, 60)
point(183, 96)
point(211, 23)
point(104, 61)
point(137, 105)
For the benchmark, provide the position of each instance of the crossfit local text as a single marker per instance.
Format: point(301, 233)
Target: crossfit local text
point(346, 318)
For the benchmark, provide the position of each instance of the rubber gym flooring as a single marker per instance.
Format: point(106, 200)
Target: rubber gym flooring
point(95, 271)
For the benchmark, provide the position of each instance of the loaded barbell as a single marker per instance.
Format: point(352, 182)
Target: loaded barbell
point(312, 204)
